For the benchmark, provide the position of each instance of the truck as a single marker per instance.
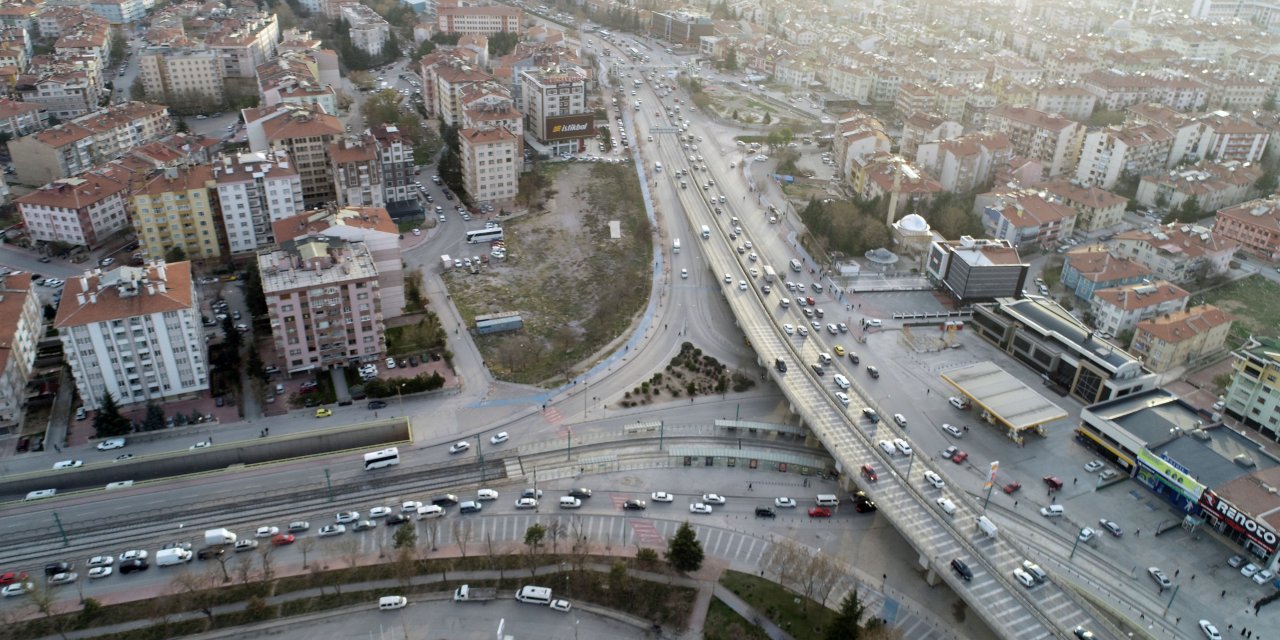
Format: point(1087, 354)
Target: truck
point(769, 274)
point(446, 262)
point(467, 593)
point(214, 537)
point(706, 232)
point(988, 527)
point(169, 557)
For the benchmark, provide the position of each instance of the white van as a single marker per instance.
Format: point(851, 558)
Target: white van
point(827, 500)
point(824, 358)
point(41, 493)
point(387, 603)
point(795, 265)
point(534, 595)
point(169, 557)
point(1053, 511)
point(570, 502)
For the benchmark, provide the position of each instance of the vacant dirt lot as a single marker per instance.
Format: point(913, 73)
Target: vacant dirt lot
point(575, 287)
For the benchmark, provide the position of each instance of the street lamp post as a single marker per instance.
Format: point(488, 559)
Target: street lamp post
point(1075, 545)
point(568, 446)
point(400, 398)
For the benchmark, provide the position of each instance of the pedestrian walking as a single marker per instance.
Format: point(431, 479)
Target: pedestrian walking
point(1176, 572)
point(1075, 480)
point(1137, 532)
point(1015, 504)
point(749, 487)
point(1223, 594)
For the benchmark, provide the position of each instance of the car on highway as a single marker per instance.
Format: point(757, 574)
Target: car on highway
point(100, 572)
point(560, 605)
point(246, 545)
point(713, 498)
point(14, 576)
point(323, 412)
point(64, 578)
point(902, 446)
point(661, 496)
point(1093, 465)
point(633, 505)
point(68, 464)
point(839, 350)
point(364, 525)
point(946, 505)
point(426, 512)
point(499, 438)
point(1086, 534)
point(346, 516)
point(134, 554)
point(376, 404)
point(934, 479)
point(299, 526)
point(840, 381)
point(1053, 482)
point(1011, 486)
point(580, 492)
point(380, 512)
point(410, 506)
point(130, 566)
point(784, 502)
point(869, 472)
point(486, 494)
point(1210, 632)
point(332, 530)
point(17, 589)
point(863, 503)
point(790, 330)
point(700, 508)
point(111, 443)
point(527, 503)
point(871, 415)
point(200, 445)
point(819, 512)
point(953, 430)
point(887, 447)
point(1111, 527)
point(283, 539)
point(843, 398)
point(101, 561)
point(958, 403)
point(873, 372)
point(962, 569)
point(459, 447)
point(1158, 576)
point(266, 532)
point(1024, 577)
point(803, 331)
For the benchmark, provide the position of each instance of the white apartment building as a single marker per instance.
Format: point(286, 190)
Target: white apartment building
point(256, 189)
point(369, 31)
point(134, 332)
point(21, 325)
point(491, 161)
point(119, 11)
point(1120, 309)
point(82, 211)
point(1052, 140)
point(395, 152)
point(177, 76)
point(1108, 154)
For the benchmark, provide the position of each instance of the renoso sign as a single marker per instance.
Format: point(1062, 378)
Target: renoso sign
point(1258, 532)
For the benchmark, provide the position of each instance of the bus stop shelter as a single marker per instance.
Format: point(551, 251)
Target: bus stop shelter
point(1003, 400)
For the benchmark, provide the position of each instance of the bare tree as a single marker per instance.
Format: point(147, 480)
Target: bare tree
point(405, 565)
point(244, 568)
point(462, 534)
point(196, 590)
point(349, 547)
point(493, 557)
point(555, 531)
point(431, 536)
point(264, 556)
point(305, 546)
point(826, 574)
point(580, 547)
point(318, 577)
point(45, 600)
point(786, 557)
point(223, 558)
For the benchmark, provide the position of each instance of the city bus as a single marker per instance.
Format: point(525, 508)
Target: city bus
point(380, 459)
point(484, 235)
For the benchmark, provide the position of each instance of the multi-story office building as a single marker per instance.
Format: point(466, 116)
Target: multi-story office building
point(21, 326)
point(478, 20)
point(1253, 397)
point(1255, 225)
point(256, 189)
point(83, 211)
point(177, 210)
point(324, 301)
point(304, 133)
point(134, 332)
point(977, 270)
point(556, 118)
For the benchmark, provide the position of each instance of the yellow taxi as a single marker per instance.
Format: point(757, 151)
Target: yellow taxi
point(839, 350)
point(323, 413)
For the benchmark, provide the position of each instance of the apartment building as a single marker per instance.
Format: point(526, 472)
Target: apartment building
point(324, 301)
point(21, 326)
point(1120, 309)
point(1226, 137)
point(1089, 269)
point(82, 211)
point(1025, 218)
point(491, 161)
point(854, 83)
point(255, 189)
point(680, 26)
point(1096, 208)
point(395, 153)
point(478, 20)
point(19, 119)
point(1255, 225)
point(452, 80)
point(372, 226)
point(357, 167)
point(1214, 185)
point(87, 141)
point(134, 332)
point(294, 78)
point(1116, 90)
point(1253, 397)
point(967, 163)
point(1067, 100)
point(369, 31)
point(187, 76)
point(884, 175)
point(1175, 339)
point(858, 136)
point(556, 118)
point(64, 94)
point(304, 133)
point(1112, 152)
point(1178, 252)
point(244, 42)
point(120, 11)
point(1186, 130)
point(1053, 140)
point(177, 211)
point(918, 128)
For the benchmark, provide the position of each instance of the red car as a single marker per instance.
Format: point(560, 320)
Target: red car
point(819, 512)
point(869, 472)
point(1013, 485)
point(12, 577)
point(1054, 483)
point(959, 456)
point(283, 539)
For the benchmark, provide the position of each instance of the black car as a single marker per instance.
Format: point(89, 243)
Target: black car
point(633, 505)
point(780, 365)
point(766, 512)
point(54, 568)
point(873, 372)
point(133, 564)
point(210, 552)
point(445, 500)
point(962, 569)
point(817, 368)
point(580, 493)
point(397, 518)
point(853, 357)
point(531, 493)
point(376, 404)
point(865, 506)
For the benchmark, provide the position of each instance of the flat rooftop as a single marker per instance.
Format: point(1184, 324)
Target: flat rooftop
point(1004, 396)
point(1052, 320)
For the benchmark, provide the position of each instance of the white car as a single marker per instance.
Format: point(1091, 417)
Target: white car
point(1024, 577)
point(561, 605)
point(712, 498)
point(101, 561)
point(841, 381)
point(902, 446)
point(947, 505)
point(68, 464)
point(790, 330)
point(262, 532)
point(410, 506)
point(200, 445)
point(662, 496)
point(391, 363)
point(784, 503)
point(527, 503)
point(958, 403)
point(499, 438)
point(134, 554)
point(953, 430)
point(246, 545)
point(742, 285)
point(728, 279)
point(111, 443)
point(804, 332)
point(16, 589)
point(887, 447)
point(428, 511)
point(934, 479)
point(699, 507)
point(99, 572)
point(1249, 570)
point(332, 530)
point(1264, 576)
point(1209, 631)
point(347, 516)
point(1086, 534)
point(1093, 465)
point(379, 512)
point(900, 419)
point(684, 273)
point(459, 447)
point(486, 494)
point(843, 398)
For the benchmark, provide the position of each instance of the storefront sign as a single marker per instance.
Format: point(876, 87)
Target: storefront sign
point(1257, 531)
point(582, 125)
point(1186, 485)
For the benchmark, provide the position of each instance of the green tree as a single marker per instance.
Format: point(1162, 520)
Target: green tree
point(154, 420)
point(231, 335)
point(254, 366)
point(502, 43)
point(108, 423)
point(175, 254)
point(684, 552)
point(1266, 183)
point(533, 537)
point(731, 59)
point(253, 296)
point(768, 117)
point(406, 537)
point(847, 624)
point(1188, 211)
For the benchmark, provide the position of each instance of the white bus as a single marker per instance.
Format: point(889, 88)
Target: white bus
point(604, 33)
point(380, 459)
point(484, 235)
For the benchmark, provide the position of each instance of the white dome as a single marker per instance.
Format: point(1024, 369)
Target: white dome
point(913, 222)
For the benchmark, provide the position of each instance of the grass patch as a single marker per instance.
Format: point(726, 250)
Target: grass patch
point(803, 619)
point(1255, 303)
point(724, 623)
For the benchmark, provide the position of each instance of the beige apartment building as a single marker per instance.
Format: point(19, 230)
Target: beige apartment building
point(1176, 339)
point(83, 211)
point(177, 210)
point(184, 76)
point(324, 301)
point(21, 325)
point(1176, 252)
